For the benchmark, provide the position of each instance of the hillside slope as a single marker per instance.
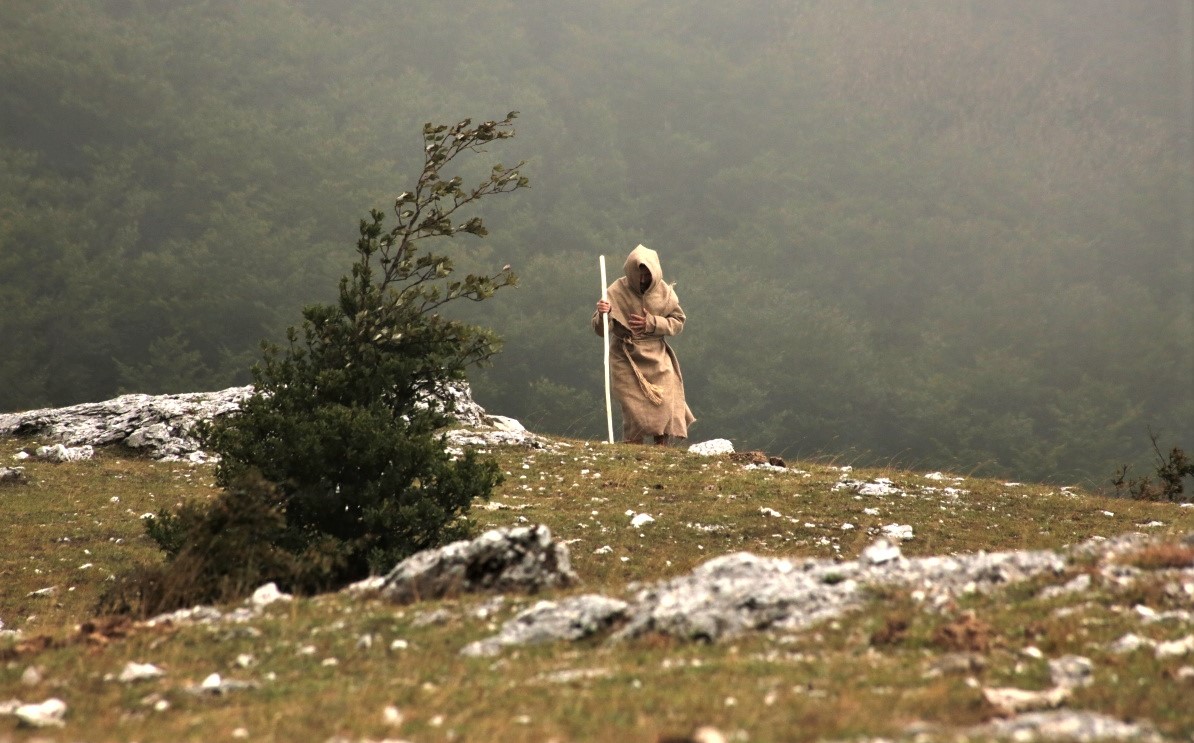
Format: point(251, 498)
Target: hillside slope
point(1089, 620)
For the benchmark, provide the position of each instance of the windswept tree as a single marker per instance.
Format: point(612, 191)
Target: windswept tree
point(337, 451)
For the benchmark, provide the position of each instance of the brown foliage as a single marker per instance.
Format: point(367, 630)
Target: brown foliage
point(966, 633)
point(1161, 557)
point(893, 631)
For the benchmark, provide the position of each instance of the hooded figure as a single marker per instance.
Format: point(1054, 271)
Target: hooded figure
point(645, 373)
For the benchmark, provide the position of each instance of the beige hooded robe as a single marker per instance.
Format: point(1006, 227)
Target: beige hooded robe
point(644, 371)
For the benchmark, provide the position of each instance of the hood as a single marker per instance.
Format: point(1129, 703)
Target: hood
point(642, 256)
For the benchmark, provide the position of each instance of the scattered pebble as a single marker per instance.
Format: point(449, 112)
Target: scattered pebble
point(902, 532)
point(49, 713)
point(139, 672)
point(392, 716)
point(641, 519)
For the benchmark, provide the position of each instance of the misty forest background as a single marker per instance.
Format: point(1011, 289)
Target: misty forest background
point(945, 234)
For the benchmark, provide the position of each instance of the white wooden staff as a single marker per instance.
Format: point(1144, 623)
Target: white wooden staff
point(609, 411)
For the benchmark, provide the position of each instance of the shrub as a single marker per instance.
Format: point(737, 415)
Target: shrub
point(214, 552)
point(1171, 471)
point(333, 469)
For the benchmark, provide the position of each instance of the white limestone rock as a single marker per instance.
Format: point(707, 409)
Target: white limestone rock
point(548, 621)
point(1071, 671)
point(641, 519)
point(266, 595)
point(504, 424)
point(134, 671)
point(1012, 701)
point(14, 475)
point(901, 532)
point(1067, 725)
point(524, 558)
point(162, 425)
point(50, 713)
point(59, 453)
point(1175, 648)
point(159, 424)
point(1130, 643)
point(712, 448)
point(881, 551)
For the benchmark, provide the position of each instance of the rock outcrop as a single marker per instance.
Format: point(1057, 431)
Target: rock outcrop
point(733, 594)
point(161, 425)
point(524, 559)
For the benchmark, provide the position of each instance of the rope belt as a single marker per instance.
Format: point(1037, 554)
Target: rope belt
point(653, 392)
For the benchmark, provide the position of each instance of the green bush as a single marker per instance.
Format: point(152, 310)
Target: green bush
point(215, 552)
point(1172, 470)
point(334, 469)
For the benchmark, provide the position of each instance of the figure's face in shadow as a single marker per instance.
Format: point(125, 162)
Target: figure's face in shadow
point(644, 278)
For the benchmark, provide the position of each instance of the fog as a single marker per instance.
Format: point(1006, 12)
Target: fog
point(940, 234)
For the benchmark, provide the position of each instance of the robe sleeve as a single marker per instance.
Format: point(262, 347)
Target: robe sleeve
point(614, 325)
point(665, 325)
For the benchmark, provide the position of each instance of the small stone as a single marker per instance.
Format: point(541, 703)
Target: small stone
point(266, 595)
point(708, 734)
point(392, 716)
point(139, 672)
point(59, 453)
point(214, 684)
point(1129, 643)
point(49, 713)
point(1012, 701)
point(902, 532)
point(641, 519)
point(32, 676)
point(712, 448)
point(1072, 671)
point(881, 551)
point(1176, 648)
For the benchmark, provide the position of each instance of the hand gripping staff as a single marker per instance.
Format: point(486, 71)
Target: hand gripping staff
point(609, 412)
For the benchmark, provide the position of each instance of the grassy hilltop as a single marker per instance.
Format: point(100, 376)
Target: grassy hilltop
point(339, 667)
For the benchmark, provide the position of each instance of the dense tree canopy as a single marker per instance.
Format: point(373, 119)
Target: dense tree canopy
point(949, 234)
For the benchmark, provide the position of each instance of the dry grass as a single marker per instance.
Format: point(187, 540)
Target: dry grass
point(871, 673)
point(1161, 556)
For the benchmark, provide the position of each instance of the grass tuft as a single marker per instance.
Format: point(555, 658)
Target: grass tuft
point(329, 666)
